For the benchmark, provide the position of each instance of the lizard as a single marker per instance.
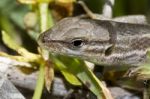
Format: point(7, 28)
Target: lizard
point(107, 42)
point(104, 42)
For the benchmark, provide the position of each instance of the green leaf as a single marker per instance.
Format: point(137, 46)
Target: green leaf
point(14, 11)
point(9, 42)
point(80, 70)
point(71, 78)
point(30, 57)
point(40, 83)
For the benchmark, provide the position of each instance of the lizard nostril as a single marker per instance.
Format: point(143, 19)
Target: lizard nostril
point(45, 36)
point(41, 39)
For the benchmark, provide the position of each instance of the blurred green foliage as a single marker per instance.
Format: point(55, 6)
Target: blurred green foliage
point(127, 7)
point(121, 7)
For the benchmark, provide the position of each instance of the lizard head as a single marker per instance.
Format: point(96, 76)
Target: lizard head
point(77, 37)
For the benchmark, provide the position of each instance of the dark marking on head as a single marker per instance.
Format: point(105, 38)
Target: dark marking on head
point(111, 29)
point(140, 43)
point(109, 50)
point(75, 43)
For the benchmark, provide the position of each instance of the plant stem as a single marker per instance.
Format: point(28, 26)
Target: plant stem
point(40, 83)
point(45, 17)
point(45, 23)
point(108, 8)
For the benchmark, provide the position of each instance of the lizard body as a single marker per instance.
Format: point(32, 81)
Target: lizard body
point(103, 42)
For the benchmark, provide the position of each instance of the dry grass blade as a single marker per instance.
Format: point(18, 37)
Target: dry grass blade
point(49, 74)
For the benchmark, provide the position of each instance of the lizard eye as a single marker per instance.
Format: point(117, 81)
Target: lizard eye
point(77, 42)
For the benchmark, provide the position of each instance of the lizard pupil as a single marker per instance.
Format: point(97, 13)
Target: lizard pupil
point(77, 43)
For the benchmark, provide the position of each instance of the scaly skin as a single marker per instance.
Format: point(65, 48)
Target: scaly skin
point(99, 41)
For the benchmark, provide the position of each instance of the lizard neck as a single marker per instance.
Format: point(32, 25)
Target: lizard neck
point(130, 46)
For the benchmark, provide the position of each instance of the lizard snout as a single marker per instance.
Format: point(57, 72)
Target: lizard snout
point(43, 38)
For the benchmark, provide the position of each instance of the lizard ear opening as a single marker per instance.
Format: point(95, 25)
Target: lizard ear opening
point(109, 50)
